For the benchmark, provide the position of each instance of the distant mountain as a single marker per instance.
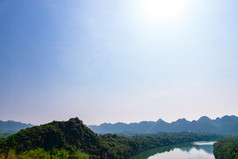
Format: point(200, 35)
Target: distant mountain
point(227, 125)
point(11, 127)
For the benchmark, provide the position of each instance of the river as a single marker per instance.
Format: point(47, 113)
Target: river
point(194, 150)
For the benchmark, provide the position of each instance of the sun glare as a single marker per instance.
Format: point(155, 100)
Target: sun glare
point(154, 11)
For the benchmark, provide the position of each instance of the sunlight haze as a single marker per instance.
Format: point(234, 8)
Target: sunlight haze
point(118, 61)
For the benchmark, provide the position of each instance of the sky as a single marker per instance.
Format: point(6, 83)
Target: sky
point(118, 61)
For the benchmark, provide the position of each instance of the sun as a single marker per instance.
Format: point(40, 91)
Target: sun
point(155, 11)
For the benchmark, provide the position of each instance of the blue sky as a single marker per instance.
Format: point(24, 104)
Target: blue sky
point(111, 61)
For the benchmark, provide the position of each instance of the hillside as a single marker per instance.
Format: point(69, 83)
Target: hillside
point(226, 148)
point(54, 135)
point(227, 125)
point(72, 139)
point(11, 127)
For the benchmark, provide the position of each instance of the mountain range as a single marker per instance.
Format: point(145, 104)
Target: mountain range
point(11, 127)
point(227, 125)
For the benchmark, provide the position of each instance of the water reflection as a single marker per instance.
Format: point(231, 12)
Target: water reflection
point(206, 148)
point(196, 150)
point(179, 154)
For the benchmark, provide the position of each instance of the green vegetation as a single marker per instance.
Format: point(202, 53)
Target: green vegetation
point(127, 147)
point(72, 139)
point(40, 153)
point(226, 148)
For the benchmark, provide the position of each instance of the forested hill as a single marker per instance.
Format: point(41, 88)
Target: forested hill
point(10, 127)
point(226, 148)
point(227, 125)
point(54, 135)
point(72, 139)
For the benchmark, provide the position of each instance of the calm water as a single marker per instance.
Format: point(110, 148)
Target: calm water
point(195, 150)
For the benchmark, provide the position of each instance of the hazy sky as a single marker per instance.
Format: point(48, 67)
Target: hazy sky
point(118, 60)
